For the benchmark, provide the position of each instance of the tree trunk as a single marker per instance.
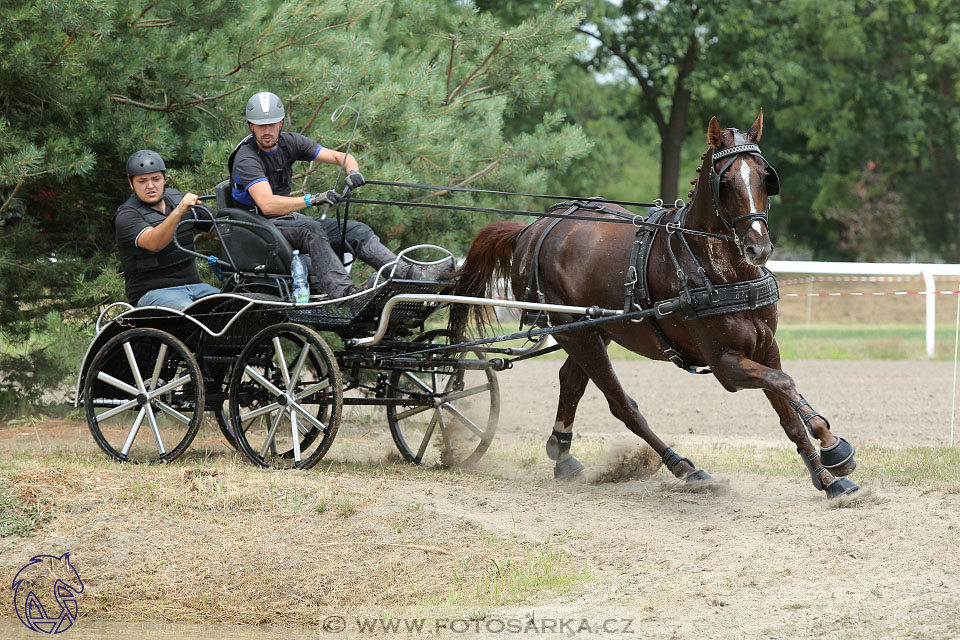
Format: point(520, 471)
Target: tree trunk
point(671, 144)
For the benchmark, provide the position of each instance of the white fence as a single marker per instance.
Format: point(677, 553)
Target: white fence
point(928, 271)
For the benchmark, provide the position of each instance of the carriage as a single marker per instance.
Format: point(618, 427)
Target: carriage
point(276, 374)
point(684, 284)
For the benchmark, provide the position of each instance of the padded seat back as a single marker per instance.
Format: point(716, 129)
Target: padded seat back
point(224, 193)
point(254, 244)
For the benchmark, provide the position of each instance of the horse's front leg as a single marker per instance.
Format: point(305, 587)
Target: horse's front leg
point(835, 458)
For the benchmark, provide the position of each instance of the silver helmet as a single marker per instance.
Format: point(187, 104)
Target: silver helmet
point(144, 161)
point(264, 108)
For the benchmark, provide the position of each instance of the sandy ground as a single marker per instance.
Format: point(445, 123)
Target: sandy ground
point(755, 556)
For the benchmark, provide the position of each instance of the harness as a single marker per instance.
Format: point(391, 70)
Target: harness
point(696, 300)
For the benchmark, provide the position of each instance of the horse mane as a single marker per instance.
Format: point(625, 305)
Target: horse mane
point(489, 258)
point(703, 169)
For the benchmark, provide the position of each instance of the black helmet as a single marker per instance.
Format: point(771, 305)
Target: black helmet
point(264, 108)
point(144, 161)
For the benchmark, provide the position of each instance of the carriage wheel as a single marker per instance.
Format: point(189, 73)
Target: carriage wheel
point(458, 418)
point(223, 421)
point(144, 396)
point(286, 397)
point(220, 375)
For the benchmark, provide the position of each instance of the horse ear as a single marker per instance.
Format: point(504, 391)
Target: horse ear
point(756, 129)
point(714, 139)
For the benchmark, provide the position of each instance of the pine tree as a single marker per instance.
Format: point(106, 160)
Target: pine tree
point(86, 83)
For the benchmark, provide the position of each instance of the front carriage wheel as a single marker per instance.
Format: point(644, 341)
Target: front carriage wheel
point(144, 396)
point(456, 418)
point(286, 398)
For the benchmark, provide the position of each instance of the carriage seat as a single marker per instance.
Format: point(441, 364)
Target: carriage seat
point(255, 245)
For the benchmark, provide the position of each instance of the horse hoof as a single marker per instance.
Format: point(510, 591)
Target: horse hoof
point(841, 487)
point(567, 468)
point(838, 458)
point(698, 475)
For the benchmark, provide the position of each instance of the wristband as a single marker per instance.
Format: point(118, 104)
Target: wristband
point(307, 197)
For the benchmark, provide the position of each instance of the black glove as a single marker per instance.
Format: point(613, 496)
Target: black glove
point(330, 197)
point(355, 180)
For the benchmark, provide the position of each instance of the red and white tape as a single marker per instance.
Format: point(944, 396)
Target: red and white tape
point(869, 293)
point(858, 279)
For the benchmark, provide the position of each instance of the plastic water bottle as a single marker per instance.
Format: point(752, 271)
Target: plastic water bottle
point(298, 269)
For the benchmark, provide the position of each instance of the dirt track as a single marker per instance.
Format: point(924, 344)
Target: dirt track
point(756, 556)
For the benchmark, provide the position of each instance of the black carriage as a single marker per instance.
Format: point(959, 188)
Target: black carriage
point(276, 374)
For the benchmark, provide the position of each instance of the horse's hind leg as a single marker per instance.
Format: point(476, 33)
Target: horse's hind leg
point(588, 359)
point(573, 382)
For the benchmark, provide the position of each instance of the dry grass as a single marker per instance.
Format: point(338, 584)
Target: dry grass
point(231, 544)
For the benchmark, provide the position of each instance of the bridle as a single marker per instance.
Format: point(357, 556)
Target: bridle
point(772, 183)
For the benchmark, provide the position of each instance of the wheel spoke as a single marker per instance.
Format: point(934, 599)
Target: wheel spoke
point(170, 386)
point(312, 389)
point(118, 409)
point(403, 415)
point(173, 413)
point(428, 434)
point(156, 430)
point(132, 361)
point(466, 393)
point(420, 383)
point(258, 412)
point(281, 360)
point(115, 382)
point(467, 422)
point(308, 417)
point(157, 366)
point(133, 431)
point(266, 384)
point(271, 433)
point(295, 434)
point(298, 367)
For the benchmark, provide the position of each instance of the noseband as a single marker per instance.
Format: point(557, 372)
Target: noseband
point(772, 183)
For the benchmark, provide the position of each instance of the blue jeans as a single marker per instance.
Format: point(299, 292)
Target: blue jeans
point(176, 297)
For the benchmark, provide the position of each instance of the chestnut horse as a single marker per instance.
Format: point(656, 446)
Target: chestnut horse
point(697, 274)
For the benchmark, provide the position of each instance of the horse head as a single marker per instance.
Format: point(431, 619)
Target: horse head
point(43, 579)
point(741, 183)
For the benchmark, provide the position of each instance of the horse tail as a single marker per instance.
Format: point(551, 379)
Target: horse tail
point(489, 257)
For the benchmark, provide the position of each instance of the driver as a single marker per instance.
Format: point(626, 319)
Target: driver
point(261, 173)
point(155, 271)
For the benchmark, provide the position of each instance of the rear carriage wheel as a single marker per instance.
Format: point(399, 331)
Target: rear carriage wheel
point(143, 396)
point(456, 419)
point(286, 398)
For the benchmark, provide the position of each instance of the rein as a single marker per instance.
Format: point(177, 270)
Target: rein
point(590, 204)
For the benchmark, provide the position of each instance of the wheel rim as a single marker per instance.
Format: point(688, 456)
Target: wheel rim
point(457, 418)
point(286, 398)
point(144, 396)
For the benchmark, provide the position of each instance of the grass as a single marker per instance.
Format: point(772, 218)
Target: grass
point(20, 515)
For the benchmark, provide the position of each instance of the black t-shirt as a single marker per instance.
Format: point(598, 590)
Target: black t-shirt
point(252, 165)
point(145, 270)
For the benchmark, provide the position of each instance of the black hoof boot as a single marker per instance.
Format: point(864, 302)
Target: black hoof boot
point(808, 461)
point(698, 475)
point(841, 487)
point(671, 459)
point(567, 468)
point(558, 443)
point(838, 458)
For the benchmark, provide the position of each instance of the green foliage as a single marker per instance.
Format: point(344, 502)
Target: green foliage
point(86, 83)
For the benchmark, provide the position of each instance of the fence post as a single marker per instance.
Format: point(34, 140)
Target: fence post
point(931, 311)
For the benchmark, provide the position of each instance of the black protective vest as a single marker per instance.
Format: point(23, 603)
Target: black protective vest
point(137, 260)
